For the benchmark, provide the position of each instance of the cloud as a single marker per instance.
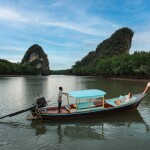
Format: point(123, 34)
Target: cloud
point(12, 58)
point(141, 41)
point(60, 61)
point(92, 25)
point(68, 45)
point(9, 48)
point(64, 59)
point(6, 13)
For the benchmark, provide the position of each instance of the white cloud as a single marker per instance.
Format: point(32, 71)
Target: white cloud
point(60, 61)
point(64, 59)
point(62, 44)
point(141, 42)
point(6, 13)
point(87, 24)
point(8, 48)
point(14, 58)
point(142, 37)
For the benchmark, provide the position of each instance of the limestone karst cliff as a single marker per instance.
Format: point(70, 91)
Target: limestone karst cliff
point(118, 43)
point(36, 57)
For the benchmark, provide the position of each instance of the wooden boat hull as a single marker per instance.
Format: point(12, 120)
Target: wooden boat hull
point(94, 113)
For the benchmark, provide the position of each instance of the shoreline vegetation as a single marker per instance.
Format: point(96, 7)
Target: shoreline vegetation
point(135, 67)
point(16, 69)
point(129, 79)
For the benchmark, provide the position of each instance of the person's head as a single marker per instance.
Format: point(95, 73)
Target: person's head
point(130, 95)
point(60, 88)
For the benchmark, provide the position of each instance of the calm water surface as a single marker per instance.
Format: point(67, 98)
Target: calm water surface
point(129, 130)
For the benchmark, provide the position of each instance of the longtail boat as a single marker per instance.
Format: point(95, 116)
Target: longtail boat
point(88, 103)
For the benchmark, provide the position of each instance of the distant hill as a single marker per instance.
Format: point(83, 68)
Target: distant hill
point(34, 62)
point(36, 57)
point(119, 43)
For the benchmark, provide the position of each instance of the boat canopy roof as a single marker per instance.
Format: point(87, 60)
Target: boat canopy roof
point(92, 93)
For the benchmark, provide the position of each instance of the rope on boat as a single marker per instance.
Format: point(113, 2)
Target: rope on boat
point(35, 116)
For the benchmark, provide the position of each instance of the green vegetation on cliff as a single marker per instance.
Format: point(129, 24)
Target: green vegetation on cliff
point(8, 68)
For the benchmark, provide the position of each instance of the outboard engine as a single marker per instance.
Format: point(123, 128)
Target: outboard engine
point(41, 102)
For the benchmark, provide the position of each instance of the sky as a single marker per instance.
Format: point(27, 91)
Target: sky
point(68, 30)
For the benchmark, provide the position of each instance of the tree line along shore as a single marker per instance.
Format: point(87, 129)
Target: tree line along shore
point(135, 66)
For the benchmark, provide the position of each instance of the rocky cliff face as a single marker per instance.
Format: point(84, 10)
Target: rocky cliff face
point(36, 57)
point(119, 43)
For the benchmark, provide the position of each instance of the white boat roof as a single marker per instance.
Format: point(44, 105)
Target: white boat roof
point(92, 93)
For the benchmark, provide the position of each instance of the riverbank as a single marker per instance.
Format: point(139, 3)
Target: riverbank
point(129, 79)
point(21, 75)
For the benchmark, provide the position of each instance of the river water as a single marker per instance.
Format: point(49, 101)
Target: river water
point(130, 130)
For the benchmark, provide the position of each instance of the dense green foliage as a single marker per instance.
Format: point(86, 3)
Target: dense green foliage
point(118, 43)
point(61, 72)
point(136, 65)
point(8, 68)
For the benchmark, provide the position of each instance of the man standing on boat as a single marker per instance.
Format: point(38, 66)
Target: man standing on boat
point(60, 98)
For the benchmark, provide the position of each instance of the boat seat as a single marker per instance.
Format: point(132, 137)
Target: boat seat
point(112, 101)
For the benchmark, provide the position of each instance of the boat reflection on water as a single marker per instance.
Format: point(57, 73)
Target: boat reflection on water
point(59, 133)
point(92, 128)
point(84, 132)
